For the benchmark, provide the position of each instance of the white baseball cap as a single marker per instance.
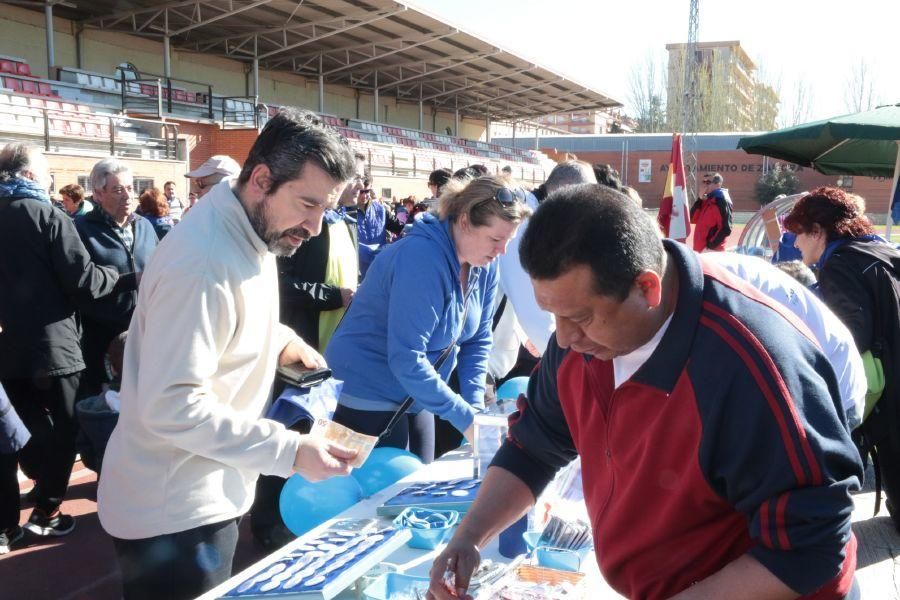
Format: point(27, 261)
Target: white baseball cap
point(220, 163)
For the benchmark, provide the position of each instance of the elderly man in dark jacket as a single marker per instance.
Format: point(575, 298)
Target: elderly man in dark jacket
point(45, 273)
point(115, 236)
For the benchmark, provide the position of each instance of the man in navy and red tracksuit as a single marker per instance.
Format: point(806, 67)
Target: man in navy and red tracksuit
point(715, 461)
point(711, 215)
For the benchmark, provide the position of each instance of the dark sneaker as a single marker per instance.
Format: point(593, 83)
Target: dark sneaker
point(28, 497)
point(8, 537)
point(55, 524)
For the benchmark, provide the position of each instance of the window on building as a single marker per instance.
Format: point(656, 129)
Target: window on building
point(142, 184)
point(85, 182)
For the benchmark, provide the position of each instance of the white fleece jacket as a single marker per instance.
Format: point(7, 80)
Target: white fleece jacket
point(199, 363)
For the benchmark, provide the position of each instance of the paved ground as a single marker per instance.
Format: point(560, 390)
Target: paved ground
point(81, 566)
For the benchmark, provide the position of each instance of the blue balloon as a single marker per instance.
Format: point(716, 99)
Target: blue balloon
point(511, 388)
point(385, 465)
point(305, 505)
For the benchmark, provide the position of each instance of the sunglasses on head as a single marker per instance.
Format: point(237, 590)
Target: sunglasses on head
point(508, 197)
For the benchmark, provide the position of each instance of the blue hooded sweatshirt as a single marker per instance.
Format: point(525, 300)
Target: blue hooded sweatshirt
point(407, 310)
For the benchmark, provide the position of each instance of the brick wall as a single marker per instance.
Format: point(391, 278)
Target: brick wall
point(206, 139)
point(740, 170)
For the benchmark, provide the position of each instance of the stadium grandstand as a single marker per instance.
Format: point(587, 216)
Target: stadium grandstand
point(170, 84)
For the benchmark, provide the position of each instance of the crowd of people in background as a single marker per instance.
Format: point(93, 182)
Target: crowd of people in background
point(420, 307)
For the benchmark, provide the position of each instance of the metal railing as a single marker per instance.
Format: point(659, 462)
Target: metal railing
point(241, 112)
point(101, 134)
point(390, 160)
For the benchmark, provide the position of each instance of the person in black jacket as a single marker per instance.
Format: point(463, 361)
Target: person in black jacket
point(116, 237)
point(859, 280)
point(45, 273)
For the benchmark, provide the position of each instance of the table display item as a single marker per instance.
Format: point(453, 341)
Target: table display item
point(429, 528)
point(529, 582)
point(490, 428)
point(324, 566)
point(566, 535)
point(397, 586)
point(454, 494)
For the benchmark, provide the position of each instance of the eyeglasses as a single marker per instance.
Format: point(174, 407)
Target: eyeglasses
point(507, 197)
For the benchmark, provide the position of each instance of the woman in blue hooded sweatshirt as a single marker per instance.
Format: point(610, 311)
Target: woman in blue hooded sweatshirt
point(434, 286)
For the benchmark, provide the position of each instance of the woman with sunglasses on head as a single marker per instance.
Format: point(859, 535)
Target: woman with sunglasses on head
point(432, 290)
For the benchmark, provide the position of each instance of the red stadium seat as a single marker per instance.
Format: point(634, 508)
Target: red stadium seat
point(23, 69)
point(44, 89)
point(13, 84)
point(29, 87)
point(7, 66)
point(179, 95)
point(74, 128)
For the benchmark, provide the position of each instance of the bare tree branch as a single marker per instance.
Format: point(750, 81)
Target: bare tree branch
point(859, 90)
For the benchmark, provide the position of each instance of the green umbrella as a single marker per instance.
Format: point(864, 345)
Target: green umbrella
point(862, 143)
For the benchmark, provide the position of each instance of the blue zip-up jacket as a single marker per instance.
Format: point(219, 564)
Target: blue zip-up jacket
point(406, 312)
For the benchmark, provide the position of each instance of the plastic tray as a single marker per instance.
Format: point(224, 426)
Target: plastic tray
point(392, 585)
point(327, 580)
point(453, 494)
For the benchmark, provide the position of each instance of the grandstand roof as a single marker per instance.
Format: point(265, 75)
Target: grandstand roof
point(647, 142)
point(401, 50)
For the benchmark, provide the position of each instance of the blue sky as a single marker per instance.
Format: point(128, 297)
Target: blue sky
point(599, 43)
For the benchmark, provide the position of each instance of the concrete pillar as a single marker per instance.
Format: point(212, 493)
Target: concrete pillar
point(421, 116)
point(487, 128)
point(375, 100)
point(51, 51)
point(167, 54)
point(322, 91)
point(167, 58)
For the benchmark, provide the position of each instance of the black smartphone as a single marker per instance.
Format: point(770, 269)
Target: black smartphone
point(302, 377)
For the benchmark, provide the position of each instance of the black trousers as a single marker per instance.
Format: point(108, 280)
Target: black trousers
point(177, 565)
point(46, 407)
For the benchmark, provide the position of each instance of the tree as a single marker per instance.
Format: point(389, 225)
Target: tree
point(775, 182)
point(797, 112)
point(722, 85)
point(859, 90)
point(646, 88)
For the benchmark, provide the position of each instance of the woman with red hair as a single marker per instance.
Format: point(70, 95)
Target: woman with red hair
point(858, 279)
point(155, 208)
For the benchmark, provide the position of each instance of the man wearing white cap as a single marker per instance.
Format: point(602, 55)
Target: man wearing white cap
point(215, 169)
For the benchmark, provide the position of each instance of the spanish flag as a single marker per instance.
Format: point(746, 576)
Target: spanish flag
point(674, 213)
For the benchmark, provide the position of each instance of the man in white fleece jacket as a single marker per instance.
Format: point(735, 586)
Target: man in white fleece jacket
point(202, 349)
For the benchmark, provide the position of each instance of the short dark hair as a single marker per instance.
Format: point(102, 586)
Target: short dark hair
point(596, 226)
point(73, 191)
point(440, 177)
point(470, 172)
point(608, 176)
point(292, 138)
point(169, 183)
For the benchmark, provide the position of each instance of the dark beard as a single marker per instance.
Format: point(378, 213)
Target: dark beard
point(259, 220)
